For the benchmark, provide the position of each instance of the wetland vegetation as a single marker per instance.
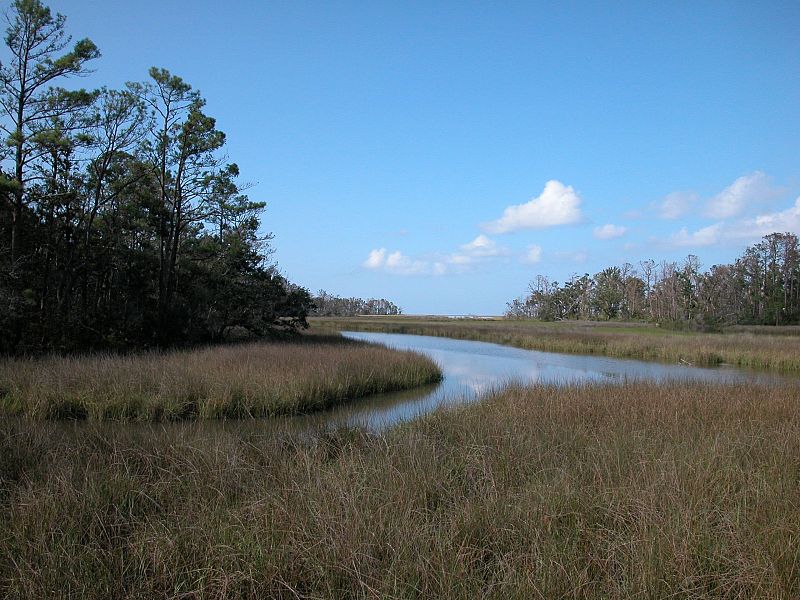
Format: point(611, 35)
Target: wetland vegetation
point(741, 347)
point(686, 490)
point(133, 463)
point(257, 379)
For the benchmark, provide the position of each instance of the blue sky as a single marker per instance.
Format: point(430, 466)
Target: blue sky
point(442, 154)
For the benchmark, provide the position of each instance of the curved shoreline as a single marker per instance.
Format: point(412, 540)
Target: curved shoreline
point(261, 379)
point(780, 354)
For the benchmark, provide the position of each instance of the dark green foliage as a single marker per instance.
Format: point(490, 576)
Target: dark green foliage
point(120, 223)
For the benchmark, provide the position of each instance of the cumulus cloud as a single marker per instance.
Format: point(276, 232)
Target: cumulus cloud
point(480, 250)
point(532, 255)
point(706, 236)
point(376, 259)
point(609, 231)
point(558, 204)
point(745, 192)
point(398, 263)
point(481, 247)
point(677, 204)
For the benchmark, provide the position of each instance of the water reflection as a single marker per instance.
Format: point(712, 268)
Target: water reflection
point(473, 368)
point(470, 370)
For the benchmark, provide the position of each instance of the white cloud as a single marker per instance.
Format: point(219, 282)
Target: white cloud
point(706, 236)
point(786, 220)
point(783, 221)
point(743, 195)
point(398, 263)
point(481, 246)
point(460, 259)
point(609, 231)
point(532, 255)
point(376, 259)
point(480, 250)
point(749, 229)
point(558, 204)
point(677, 204)
point(746, 191)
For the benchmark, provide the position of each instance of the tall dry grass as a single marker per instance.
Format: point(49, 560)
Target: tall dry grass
point(246, 380)
point(634, 491)
point(745, 347)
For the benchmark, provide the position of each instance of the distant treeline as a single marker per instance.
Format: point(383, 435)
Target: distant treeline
point(328, 305)
point(760, 287)
point(122, 224)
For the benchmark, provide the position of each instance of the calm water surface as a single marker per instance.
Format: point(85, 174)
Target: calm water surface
point(473, 368)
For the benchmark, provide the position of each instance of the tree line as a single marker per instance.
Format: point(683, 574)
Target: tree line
point(123, 224)
point(761, 287)
point(329, 305)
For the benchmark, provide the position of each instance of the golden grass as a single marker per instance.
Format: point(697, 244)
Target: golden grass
point(640, 490)
point(749, 348)
point(247, 380)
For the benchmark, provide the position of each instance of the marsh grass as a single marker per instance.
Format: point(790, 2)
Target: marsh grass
point(639, 490)
point(745, 347)
point(235, 381)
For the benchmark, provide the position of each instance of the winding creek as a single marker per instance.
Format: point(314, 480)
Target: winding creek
point(471, 369)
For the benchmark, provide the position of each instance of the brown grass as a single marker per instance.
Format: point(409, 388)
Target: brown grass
point(247, 380)
point(640, 490)
point(749, 348)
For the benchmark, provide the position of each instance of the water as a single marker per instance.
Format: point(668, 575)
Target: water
point(471, 369)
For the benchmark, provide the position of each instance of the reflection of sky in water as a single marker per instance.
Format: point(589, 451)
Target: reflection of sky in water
point(471, 369)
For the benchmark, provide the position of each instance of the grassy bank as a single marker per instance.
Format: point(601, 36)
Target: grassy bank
point(749, 348)
point(645, 491)
point(246, 380)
